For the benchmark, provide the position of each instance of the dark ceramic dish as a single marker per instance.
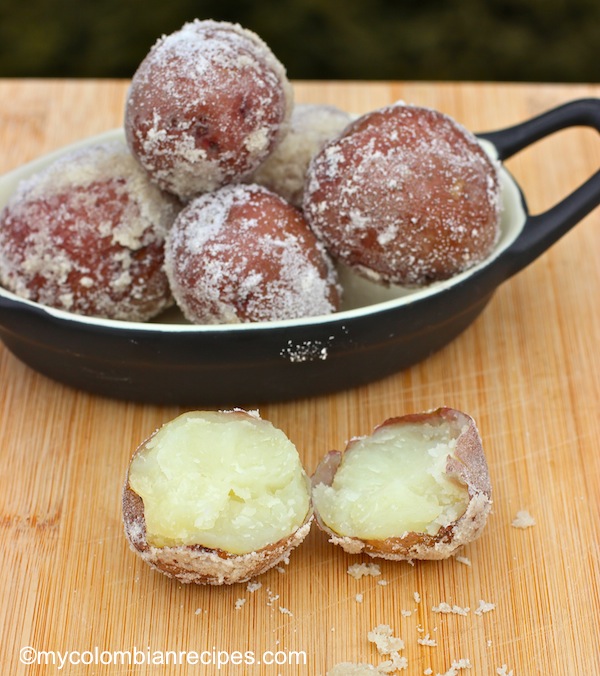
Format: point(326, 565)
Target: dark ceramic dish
point(378, 332)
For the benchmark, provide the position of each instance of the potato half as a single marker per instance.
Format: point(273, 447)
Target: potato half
point(216, 497)
point(418, 487)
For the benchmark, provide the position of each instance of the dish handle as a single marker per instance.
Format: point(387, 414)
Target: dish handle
point(542, 230)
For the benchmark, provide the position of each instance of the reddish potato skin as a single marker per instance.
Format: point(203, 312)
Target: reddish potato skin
point(254, 235)
point(196, 564)
point(404, 196)
point(206, 106)
point(92, 243)
point(468, 464)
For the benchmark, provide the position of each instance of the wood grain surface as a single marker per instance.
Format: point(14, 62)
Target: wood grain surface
point(528, 371)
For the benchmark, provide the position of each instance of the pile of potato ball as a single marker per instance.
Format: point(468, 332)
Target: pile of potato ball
point(239, 206)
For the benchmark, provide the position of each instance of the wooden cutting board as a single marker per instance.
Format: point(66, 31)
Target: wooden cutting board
point(528, 370)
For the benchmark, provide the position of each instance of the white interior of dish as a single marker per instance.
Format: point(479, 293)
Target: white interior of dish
point(361, 296)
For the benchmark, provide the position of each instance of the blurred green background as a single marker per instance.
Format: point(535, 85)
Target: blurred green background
point(504, 40)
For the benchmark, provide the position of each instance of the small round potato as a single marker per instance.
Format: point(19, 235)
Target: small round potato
point(404, 195)
point(216, 497)
point(207, 105)
point(418, 487)
point(312, 125)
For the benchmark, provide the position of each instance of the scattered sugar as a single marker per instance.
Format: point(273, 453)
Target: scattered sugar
point(484, 607)
point(239, 603)
point(457, 666)
point(382, 637)
point(448, 609)
point(523, 520)
point(253, 586)
point(395, 663)
point(352, 669)
point(271, 598)
point(359, 570)
point(309, 350)
point(426, 640)
point(503, 671)
point(285, 611)
point(358, 598)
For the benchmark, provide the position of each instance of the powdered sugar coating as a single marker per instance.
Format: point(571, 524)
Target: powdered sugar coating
point(243, 254)
point(86, 235)
point(311, 127)
point(206, 106)
point(405, 195)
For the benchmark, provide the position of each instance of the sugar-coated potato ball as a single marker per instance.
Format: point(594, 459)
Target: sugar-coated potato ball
point(405, 195)
point(206, 106)
point(311, 127)
point(86, 235)
point(417, 487)
point(216, 497)
point(243, 254)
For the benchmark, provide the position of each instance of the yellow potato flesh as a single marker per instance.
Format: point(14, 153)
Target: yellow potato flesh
point(394, 482)
point(221, 481)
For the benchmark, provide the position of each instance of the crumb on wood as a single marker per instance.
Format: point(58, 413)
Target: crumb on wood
point(359, 570)
point(523, 520)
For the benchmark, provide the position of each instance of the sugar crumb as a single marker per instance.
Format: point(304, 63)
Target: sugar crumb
point(253, 586)
point(463, 559)
point(285, 611)
point(417, 597)
point(503, 671)
point(239, 603)
point(426, 640)
point(456, 667)
point(358, 598)
point(386, 643)
point(359, 570)
point(484, 607)
point(406, 613)
point(448, 609)
point(523, 519)
point(272, 597)
point(395, 663)
point(350, 669)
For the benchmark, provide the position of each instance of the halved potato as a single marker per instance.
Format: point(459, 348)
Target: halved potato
point(216, 497)
point(418, 487)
